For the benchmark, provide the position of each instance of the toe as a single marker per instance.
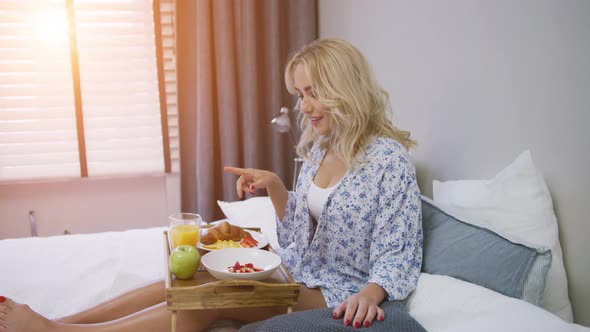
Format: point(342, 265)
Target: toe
point(6, 302)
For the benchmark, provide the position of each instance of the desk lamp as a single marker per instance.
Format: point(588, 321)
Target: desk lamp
point(282, 124)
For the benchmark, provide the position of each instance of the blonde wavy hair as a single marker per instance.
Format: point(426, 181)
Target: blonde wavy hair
point(343, 83)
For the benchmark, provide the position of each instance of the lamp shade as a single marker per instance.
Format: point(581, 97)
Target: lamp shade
point(282, 122)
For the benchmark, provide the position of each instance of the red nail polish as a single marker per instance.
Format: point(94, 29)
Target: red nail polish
point(380, 318)
point(347, 322)
point(366, 323)
point(334, 315)
point(357, 325)
point(2, 299)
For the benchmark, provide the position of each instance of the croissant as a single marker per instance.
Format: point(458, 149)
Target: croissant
point(223, 231)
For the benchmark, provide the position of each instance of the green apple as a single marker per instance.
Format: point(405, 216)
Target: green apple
point(184, 261)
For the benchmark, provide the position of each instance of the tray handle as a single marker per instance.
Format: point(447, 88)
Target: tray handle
point(235, 283)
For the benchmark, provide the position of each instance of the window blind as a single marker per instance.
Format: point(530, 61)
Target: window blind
point(37, 116)
point(168, 27)
point(120, 97)
point(115, 48)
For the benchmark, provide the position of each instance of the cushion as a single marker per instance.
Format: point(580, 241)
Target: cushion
point(446, 304)
point(516, 204)
point(480, 256)
point(253, 212)
point(396, 319)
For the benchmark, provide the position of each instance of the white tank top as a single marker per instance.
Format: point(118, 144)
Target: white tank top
point(317, 198)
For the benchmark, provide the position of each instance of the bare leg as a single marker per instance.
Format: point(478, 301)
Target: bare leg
point(155, 293)
point(16, 317)
point(20, 318)
point(121, 306)
point(309, 298)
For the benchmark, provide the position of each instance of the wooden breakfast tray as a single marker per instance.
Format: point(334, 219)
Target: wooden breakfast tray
point(204, 291)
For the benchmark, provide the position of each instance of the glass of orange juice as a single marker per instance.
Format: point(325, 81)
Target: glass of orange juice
point(184, 229)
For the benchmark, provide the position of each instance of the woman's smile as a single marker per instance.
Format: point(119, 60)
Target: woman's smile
point(315, 120)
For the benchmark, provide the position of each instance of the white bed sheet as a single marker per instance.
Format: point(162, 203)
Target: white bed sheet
point(61, 275)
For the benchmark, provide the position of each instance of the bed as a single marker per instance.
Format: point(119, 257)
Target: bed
point(61, 275)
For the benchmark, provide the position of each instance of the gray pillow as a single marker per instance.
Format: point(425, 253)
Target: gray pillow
point(397, 319)
point(480, 256)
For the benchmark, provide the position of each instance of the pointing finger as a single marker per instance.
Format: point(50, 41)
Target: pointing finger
point(236, 170)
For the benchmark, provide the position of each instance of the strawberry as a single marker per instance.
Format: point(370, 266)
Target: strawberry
point(246, 268)
point(248, 242)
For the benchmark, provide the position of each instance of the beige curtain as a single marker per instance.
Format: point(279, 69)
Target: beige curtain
point(231, 57)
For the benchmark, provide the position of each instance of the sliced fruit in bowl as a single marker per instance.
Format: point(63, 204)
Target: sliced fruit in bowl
point(241, 264)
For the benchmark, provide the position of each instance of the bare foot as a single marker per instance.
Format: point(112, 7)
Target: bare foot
point(16, 317)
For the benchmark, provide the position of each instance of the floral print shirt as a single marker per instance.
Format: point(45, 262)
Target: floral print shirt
point(370, 229)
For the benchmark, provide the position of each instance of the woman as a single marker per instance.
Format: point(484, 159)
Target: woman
point(353, 228)
point(351, 234)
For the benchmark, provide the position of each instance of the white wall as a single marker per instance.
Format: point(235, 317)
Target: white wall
point(477, 82)
point(88, 205)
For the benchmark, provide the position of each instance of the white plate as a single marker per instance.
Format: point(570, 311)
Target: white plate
point(217, 262)
point(262, 241)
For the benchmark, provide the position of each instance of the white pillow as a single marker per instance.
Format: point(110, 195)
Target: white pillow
point(516, 204)
point(445, 304)
point(253, 212)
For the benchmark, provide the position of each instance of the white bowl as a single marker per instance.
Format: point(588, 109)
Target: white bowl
point(217, 262)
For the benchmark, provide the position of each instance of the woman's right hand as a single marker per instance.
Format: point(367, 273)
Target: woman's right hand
point(251, 179)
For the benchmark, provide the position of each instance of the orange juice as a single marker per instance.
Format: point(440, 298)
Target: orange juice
point(184, 234)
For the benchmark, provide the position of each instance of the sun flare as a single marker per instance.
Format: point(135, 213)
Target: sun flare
point(51, 27)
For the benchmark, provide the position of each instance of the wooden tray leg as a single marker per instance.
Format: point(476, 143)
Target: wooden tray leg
point(173, 320)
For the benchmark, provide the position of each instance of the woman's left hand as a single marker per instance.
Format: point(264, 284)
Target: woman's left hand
point(362, 308)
